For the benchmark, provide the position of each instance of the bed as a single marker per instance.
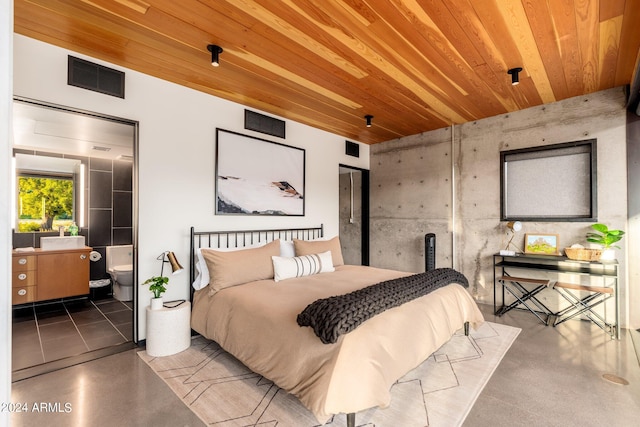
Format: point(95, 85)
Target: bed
point(253, 317)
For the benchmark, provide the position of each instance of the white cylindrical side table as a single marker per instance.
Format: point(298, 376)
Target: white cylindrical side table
point(168, 330)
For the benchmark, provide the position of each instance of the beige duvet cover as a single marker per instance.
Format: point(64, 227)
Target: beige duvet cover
point(256, 322)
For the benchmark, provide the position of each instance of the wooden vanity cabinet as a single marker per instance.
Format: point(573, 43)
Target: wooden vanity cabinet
point(50, 274)
point(23, 278)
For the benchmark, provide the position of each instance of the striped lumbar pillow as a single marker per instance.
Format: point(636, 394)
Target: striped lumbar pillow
point(305, 265)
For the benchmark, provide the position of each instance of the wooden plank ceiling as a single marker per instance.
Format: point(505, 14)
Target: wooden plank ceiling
point(415, 65)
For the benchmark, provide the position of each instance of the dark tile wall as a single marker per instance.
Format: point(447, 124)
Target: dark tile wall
point(122, 176)
point(99, 228)
point(100, 189)
point(108, 206)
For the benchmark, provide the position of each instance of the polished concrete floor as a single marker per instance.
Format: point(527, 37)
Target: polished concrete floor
point(554, 376)
point(549, 377)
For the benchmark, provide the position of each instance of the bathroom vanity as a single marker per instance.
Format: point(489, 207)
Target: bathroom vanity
point(42, 275)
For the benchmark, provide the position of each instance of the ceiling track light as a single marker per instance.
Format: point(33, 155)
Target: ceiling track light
point(515, 79)
point(368, 117)
point(215, 54)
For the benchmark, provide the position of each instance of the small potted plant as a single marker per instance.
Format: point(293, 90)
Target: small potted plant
point(157, 285)
point(606, 238)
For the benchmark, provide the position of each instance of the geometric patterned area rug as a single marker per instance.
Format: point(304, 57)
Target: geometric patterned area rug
point(439, 392)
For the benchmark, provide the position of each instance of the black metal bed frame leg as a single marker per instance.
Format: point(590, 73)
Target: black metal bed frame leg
point(466, 329)
point(351, 419)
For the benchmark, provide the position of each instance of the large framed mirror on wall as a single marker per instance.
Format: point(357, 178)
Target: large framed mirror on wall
point(49, 192)
point(549, 183)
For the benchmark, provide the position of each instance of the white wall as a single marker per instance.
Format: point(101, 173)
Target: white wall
point(176, 156)
point(6, 72)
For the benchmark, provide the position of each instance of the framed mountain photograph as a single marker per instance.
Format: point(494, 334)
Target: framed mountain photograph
point(255, 176)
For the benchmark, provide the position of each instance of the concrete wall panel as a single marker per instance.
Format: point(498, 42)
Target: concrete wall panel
point(408, 173)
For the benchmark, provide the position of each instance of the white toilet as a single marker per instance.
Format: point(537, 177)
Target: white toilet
point(119, 260)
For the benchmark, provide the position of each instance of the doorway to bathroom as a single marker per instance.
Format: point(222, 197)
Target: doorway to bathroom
point(96, 155)
point(354, 214)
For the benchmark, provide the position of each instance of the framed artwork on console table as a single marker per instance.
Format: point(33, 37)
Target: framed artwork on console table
point(255, 176)
point(541, 244)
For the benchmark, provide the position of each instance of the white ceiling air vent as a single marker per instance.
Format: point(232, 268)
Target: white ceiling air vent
point(99, 148)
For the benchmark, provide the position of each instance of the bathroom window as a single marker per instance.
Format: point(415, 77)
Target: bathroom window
point(44, 202)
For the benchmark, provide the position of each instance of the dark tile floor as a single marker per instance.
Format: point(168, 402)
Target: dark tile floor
point(46, 332)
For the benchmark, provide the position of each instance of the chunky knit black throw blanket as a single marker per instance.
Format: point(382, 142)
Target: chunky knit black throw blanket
point(337, 315)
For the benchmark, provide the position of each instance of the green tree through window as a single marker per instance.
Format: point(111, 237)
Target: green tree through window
point(43, 199)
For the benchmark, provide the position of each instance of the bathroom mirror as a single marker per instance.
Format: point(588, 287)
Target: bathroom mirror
point(48, 193)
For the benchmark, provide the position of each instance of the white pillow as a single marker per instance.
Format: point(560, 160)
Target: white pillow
point(202, 271)
point(306, 265)
point(287, 249)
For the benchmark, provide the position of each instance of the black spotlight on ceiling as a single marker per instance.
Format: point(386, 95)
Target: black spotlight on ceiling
point(515, 79)
point(368, 117)
point(215, 54)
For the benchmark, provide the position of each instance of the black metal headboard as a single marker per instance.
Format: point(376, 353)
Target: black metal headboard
point(241, 238)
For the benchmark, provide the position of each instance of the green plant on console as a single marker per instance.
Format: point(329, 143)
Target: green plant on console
point(605, 237)
point(158, 285)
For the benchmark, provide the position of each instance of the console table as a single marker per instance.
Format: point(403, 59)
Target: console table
point(527, 283)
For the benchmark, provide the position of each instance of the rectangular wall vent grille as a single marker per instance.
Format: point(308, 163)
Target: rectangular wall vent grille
point(98, 78)
point(351, 149)
point(264, 124)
